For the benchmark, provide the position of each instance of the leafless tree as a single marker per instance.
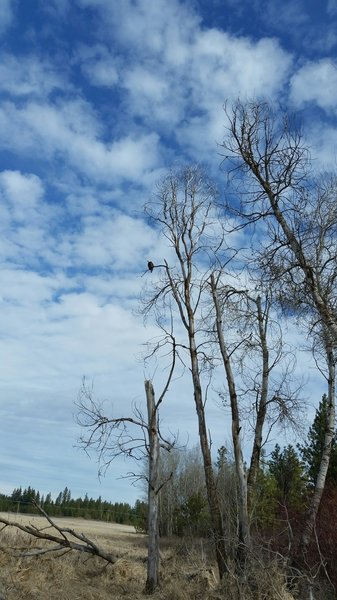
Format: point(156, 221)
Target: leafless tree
point(295, 215)
point(184, 469)
point(137, 437)
point(251, 346)
point(183, 208)
point(209, 310)
point(277, 188)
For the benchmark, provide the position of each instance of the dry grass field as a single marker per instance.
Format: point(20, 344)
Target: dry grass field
point(187, 572)
point(75, 576)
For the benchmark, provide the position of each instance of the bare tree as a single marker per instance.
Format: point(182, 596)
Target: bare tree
point(297, 216)
point(184, 210)
point(264, 369)
point(137, 438)
point(278, 189)
point(251, 348)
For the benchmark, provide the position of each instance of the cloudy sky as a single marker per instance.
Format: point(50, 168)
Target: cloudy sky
point(97, 99)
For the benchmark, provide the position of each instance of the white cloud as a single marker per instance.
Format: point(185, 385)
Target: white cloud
point(54, 333)
point(174, 75)
point(101, 73)
point(151, 26)
point(120, 241)
point(152, 95)
point(71, 132)
point(29, 76)
point(315, 82)
point(321, 138)
point(21, 192)
point(177, 74)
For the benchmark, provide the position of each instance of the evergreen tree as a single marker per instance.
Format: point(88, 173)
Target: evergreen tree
point(17, 494)
point(58, 500)
point(288, 472)
point(48, 501)
point(312, 449)
point(66, 496)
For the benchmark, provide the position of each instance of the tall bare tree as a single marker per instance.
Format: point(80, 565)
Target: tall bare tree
point(297, 217)
point(184, 210)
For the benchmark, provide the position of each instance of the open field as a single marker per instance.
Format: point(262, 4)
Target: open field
point(186, 571)
point(88, 527)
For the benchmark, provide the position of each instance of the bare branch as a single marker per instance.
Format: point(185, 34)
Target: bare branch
point(63, 541)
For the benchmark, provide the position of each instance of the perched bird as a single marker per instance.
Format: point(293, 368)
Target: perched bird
point(150, 265)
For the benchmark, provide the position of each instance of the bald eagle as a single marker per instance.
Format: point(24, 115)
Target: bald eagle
point(150, 265)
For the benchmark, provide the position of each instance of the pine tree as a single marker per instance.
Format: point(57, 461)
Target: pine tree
point(288, 472)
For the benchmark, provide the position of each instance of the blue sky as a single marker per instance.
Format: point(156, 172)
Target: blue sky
point(97, 99)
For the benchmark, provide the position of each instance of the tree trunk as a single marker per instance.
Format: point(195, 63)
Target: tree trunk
point(185, 202)
point(324, 464)
point(188, 321)
point(244, 533)
point(152, 581)
point(212, 496)
point(261, 409)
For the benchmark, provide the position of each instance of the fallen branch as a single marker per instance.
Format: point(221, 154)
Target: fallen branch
point(62, 541)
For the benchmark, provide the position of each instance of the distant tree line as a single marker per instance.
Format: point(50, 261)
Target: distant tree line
point(25, 500)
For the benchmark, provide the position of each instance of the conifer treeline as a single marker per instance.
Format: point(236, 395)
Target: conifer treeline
point(24, 500)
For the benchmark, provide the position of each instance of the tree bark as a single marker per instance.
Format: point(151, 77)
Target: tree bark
point(212, 496)
point(244, 532)
point(152, 581)
point(261, 409)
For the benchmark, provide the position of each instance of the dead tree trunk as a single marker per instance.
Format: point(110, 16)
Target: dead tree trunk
point(153, 490)
point(113, 437)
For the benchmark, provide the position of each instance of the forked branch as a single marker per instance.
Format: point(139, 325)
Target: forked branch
point(64, 539)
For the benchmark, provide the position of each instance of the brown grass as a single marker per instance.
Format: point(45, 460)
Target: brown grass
point(187, 571)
